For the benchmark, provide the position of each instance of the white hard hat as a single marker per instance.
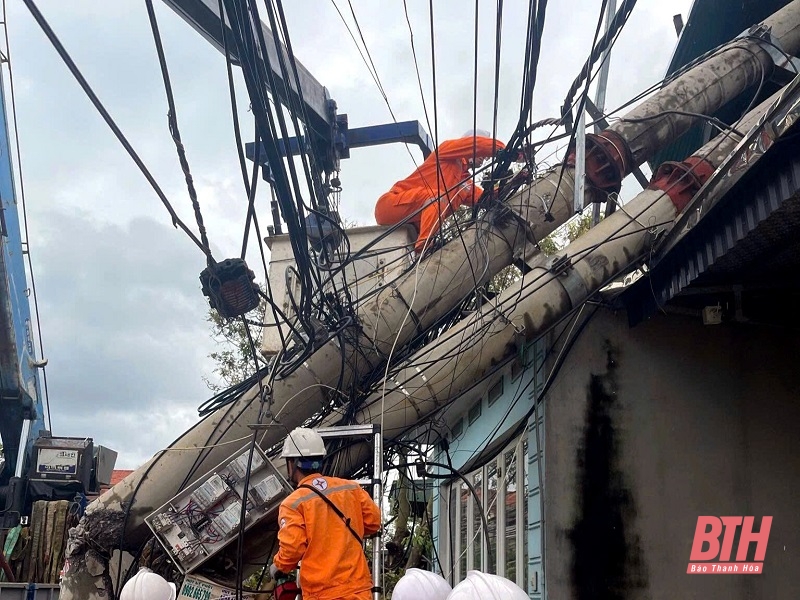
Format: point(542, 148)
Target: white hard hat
point(146, 585)
point(303, 443)
point(483, 586)
point(476, 132)
point(417, 584)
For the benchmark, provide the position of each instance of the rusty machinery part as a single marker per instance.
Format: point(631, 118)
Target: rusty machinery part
point(681, 180)
point(608, 160)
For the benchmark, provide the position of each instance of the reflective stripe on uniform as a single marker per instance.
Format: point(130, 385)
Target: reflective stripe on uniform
point(326, 492)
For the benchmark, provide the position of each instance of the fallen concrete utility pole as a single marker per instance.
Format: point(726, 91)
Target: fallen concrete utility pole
point(559, 285)
point(415, 302)
point(554, 287)
point(455, 271)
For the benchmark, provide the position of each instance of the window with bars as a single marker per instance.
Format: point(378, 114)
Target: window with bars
point(503, 485)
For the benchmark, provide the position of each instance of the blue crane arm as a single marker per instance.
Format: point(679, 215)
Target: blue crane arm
point(329, 133)
point(409, 132)
point(20, 399)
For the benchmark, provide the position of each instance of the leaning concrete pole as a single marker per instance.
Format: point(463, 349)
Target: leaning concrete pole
point(604, 252)
point(459, 267)
point(554, 287)
point(413, 303)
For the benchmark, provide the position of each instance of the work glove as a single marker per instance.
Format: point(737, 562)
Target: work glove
point(275, 573)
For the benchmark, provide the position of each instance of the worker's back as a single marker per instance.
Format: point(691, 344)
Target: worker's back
point(333, 561)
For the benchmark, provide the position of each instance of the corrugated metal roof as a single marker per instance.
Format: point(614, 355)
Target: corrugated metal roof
point(749, 237)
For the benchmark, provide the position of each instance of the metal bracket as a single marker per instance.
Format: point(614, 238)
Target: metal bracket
point(573, 284)
point(786, 65)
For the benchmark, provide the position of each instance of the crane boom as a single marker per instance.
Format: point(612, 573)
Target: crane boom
point(21, 412)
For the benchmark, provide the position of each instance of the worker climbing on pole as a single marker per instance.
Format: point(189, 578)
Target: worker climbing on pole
point(425, 202)
point(323, 524)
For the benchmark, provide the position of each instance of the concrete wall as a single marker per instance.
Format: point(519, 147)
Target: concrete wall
point(650, 427)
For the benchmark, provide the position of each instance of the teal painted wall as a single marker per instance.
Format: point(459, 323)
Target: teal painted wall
point(494, 418)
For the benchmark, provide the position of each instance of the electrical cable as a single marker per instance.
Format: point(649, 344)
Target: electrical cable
point(172, 119)
point(435, 111)
point(65, 57)
point(127, 512)
point(613, 235)
point(254, 70)
point(251, 211)
point(250, 69)
point(582, 100)
point(337, 308)
point(559, 362)
point(251, 340)
point(475, 103)
point(416, 66)
point(237, 134)
point(496, 98)
point(722, 126)
point(598, 47)
point(455, 472)
point(263, 392)
point(250, 187)
point(430, 522)
point(370, 64)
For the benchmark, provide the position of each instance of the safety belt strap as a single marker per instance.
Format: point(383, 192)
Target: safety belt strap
point(335, 509)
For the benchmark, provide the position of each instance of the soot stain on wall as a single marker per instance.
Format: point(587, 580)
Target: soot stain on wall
point(607, 558)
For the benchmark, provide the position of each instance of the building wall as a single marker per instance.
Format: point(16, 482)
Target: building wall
point(487, 425)
point(649, 428)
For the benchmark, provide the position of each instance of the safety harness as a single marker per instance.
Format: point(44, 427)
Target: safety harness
point(335, 509)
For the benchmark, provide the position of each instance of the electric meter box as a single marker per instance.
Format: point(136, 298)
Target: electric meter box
point(61, 459)
point(204, 518)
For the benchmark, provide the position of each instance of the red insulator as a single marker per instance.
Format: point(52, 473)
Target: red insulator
point(681, 180)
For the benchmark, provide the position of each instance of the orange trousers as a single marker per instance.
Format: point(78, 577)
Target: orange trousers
point(393, 207)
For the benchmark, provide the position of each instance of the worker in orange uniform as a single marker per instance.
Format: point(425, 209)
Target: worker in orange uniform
point(322, 523)
point(437, 201)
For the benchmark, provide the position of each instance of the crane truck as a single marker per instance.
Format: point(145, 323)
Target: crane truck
point(34, 465)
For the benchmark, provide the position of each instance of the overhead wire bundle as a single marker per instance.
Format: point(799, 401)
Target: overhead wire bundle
point(320, 304)
point(423, 368)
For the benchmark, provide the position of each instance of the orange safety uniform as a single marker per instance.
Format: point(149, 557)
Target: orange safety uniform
point(333, 563)
point(455, 187)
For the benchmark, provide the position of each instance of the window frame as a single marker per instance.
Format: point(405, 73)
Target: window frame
point(451, 556)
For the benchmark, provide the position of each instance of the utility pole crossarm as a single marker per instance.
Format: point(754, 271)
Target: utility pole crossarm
point(204, 16)
point(407, 132)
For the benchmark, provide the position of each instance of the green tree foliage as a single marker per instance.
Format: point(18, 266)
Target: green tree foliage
point(567, 233)
point(233, 357)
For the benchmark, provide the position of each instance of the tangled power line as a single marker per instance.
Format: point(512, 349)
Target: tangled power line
point(322, 307)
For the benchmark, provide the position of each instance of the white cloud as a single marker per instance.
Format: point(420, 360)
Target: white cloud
point(122, 311)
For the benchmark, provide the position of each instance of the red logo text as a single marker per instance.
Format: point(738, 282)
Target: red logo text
point(712, 548)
